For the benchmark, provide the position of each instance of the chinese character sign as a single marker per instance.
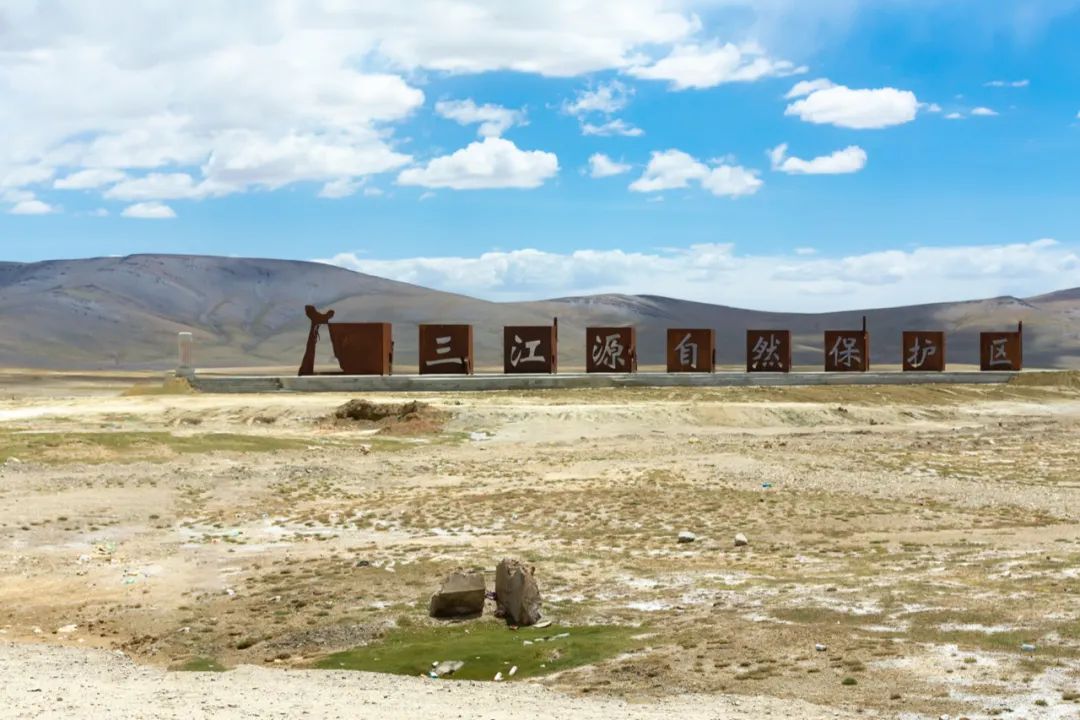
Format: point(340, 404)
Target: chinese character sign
point(1001, 350)
point(847, 351)
point(530, 349)
point(924, 350)
point(690, 350)
point(610, 350)
point(768, 350)
point(446, 349)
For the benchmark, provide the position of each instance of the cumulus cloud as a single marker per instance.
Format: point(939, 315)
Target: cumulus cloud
point(671, 169)
point(492, 163)
point(792, 281)
point(617, 126)
point(984, 112)
point(805, 87)
point(336, 189)
point(857, 109)
point(31, 207)
point(706, 66)
point(601, 166)
point(606, 98)
point(494, 119)
point(149, 211)
point(262, 95)
point(849, 160)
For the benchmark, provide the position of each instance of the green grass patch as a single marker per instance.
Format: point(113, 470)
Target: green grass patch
point(486, 648)
point(200, 664)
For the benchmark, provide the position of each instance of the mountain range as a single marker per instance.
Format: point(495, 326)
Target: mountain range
point(124, 312)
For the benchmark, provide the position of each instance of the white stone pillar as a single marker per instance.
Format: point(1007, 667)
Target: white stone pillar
point(183, 362)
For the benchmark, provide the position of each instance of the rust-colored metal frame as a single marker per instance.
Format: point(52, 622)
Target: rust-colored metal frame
point(523, 343)
point(847, 350)
point(914, 355)
point(1002, 350)
point(778, 345)
point(610, 350)
point(360, 348)
point(702, 358)
point(445, 349)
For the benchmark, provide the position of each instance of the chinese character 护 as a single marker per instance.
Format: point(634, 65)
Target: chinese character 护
point(920, 351)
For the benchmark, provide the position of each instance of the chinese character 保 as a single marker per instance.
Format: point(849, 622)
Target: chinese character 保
point(442, 347)
point(920, 351)
point(608, 351)
point(688, 352)
point(845, 351)
point(766, 352)
point(530, 346)
point(999, 355)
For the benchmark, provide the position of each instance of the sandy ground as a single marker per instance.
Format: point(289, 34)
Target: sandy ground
point(927, 537)
point(51, 682)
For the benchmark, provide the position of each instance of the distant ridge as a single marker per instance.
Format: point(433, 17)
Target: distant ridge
point(124, 312)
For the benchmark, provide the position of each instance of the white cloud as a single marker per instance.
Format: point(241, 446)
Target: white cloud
point(492, 163)
point(930, 107)
point(89, 179)
point(672, 169)
point(373, 192)
point(148, 211)
point(805, 87)
point(984, 112)
point(336, 189)
point(31, 207)
point(601, 166)
point(612, 127)
point(858, 109)
point(706, 66)
point(607, 98)
point(954, 116)
point(849, 160)
point(166, 186)
point(261, 95)
point(494, 119)
point(718, 274)
point(1008, 83)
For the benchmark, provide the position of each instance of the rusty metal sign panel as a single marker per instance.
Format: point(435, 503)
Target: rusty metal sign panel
point(924, 350)
point(768, 350)
point(446, 349)
point(531, 348)
point(847, 350)
point(610, 350)
point(1002, 350)
point(691, 350)
point(363, 348)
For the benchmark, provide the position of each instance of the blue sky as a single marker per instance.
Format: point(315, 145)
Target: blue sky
point(763, 153)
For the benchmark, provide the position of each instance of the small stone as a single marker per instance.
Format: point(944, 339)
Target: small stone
point(513, 671)
point(821, 648)
point(542, 624)
point(741, 540)
point(687, 537)
point(498, 677)
point(1027, 647)
point(461, 595)
point(448, 667)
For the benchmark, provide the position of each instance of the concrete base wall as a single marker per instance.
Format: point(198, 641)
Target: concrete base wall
point(460, 383)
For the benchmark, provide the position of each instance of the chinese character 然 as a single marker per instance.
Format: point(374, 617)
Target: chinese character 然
point(766, 352)
point(688, 352)
point(846, 352)
point(530, 346)
point(608, 352)
point(442, 347)
point(920, 352)
point(999, 353)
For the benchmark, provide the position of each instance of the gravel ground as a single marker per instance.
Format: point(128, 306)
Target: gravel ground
point(44, 681)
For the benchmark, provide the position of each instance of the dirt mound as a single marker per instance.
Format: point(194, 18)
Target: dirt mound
point(410, 418)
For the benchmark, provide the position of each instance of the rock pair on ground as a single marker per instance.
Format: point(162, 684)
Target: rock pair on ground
point(517, 598)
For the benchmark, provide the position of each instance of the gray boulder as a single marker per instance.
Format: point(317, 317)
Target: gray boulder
point(516, 596)
point(460, 596)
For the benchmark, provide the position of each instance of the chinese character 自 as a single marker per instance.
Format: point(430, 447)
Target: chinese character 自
point(688, 352)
